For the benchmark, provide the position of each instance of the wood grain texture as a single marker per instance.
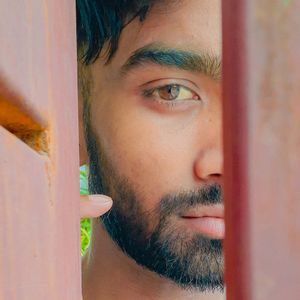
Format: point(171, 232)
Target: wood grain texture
point(262, 141)
point(39, 194)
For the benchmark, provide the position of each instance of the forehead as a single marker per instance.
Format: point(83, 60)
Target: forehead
point(187, 24)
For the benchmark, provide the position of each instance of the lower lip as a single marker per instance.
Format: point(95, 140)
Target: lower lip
point(208, 226)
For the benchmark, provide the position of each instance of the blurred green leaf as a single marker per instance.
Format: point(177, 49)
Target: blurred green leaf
point(85, 224)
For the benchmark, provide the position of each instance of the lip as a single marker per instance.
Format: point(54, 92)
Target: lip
point(214, 211)
point(206, 220)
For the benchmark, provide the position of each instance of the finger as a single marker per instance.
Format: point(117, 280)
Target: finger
point(92, 206)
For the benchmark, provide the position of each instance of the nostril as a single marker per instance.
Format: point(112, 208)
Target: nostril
point(215, 175)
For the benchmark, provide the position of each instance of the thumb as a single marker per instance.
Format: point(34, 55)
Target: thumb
point(92, 206)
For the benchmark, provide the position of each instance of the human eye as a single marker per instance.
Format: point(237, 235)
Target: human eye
point(171, 92)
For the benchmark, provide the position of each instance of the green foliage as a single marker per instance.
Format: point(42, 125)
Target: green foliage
point(85, 224)
point(85, 233)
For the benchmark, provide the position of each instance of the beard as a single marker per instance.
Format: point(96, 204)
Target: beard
point(189, 259)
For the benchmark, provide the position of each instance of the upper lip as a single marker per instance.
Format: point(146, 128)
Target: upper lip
point(213, 211)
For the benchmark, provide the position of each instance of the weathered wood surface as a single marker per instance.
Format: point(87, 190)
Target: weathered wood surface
point(262, 142)
point(39, 189)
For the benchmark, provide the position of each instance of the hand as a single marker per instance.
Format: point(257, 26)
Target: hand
point(92, 206)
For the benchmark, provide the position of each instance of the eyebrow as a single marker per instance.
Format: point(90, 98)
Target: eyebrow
point(205, 63)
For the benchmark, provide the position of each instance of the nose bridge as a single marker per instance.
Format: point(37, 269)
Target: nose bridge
point(210, 159)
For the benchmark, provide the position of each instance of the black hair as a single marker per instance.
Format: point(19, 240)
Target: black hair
point(101, 21)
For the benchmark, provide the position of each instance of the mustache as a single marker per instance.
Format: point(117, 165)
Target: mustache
point(176, 203)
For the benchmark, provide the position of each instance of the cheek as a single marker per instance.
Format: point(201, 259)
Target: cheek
point(154, 153)
point(152, 162)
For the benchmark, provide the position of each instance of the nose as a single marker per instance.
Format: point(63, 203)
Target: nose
point(209, 163)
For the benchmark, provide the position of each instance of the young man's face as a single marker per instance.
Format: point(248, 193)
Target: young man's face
point(155, 141)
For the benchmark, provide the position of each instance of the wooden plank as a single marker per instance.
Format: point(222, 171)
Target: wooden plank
point(25, 221)
point(64, 152)
point(39, 249)
point(262, 142)
point(24, 56)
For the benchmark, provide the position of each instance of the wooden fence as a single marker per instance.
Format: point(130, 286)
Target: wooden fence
point(39, 192)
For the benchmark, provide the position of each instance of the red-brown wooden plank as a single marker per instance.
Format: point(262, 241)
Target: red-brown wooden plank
point(39, 194)
point(63, 114)
point(25, 224)
point(24, 54)
point(262, 142)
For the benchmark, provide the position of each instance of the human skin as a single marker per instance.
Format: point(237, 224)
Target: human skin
point(159, 148)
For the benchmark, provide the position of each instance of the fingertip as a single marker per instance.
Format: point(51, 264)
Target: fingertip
point(100, 199)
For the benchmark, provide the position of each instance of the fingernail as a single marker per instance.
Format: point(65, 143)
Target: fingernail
point(100, 199)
